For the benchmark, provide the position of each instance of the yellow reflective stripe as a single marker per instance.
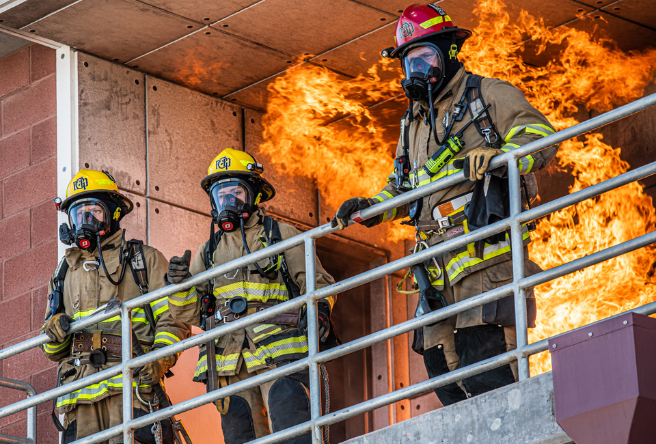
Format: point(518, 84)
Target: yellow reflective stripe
point(94, 391)
point(389, 215)
point(223, 363)
point(166, 338)
point(383, 196)
point(534, 128)
point(447, 170)
point(183, 298)
point(51, 347)
point(257, 338)
point(159, 306)
point(435, 21)
point(138, 315)
point(489, 252)
point(253, 291)
point(275, 349)
point(525, 163)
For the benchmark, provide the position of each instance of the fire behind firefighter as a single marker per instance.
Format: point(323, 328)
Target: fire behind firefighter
point(91, 274)
point(457, 120)
point(236, 188)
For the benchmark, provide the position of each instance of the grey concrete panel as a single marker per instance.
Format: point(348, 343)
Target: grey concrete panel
point(117, 30)
point(202, 10)
point(112, 121)
point(9, 44)
point(640, 11)
point(296, 196)
point(297, 27)
point(136, 223)
point(174, 230)
point(186, 130)
point(213, 62)
point(31, 10)
point(518, 413)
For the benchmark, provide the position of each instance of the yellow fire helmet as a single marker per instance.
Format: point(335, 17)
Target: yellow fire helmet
point(88, 182)
point(238, 164)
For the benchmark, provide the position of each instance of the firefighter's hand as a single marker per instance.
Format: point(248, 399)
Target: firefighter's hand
point(343, 216)
point(153, 372)
point(323, 320)
point(57, 326)
point(179, 268)
point(477, 161)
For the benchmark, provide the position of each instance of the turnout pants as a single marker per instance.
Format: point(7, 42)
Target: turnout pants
point(270, 407)
point(87, 419)
point(465, 339)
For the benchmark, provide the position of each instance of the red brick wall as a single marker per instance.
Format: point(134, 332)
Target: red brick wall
point(28, 221)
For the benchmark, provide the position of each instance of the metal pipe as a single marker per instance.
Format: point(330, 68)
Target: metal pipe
point(388, 348)
point(313, 338)
point(517, 251)
point(23, 386)
point(126, 355)
point(9, 439)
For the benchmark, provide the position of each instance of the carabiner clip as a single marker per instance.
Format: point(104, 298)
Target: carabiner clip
point(94, 263)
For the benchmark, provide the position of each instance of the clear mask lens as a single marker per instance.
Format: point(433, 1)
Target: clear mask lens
point(232, 193)
point(420, 60)
point(91, 213)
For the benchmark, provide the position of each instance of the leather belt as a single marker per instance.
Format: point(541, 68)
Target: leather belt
point(87, 342)
point(291, 317)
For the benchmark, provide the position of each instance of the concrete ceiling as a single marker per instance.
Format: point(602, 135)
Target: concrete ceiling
point(243, 45)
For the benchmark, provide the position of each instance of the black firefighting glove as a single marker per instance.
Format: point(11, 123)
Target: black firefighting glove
point(178, 268)
point(323, 320)
point(476, 162)
point(343, 216)
point(153, 372)
point(57, 326)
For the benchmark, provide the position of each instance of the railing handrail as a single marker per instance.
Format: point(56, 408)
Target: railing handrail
point(26, 387)
point(517, 287)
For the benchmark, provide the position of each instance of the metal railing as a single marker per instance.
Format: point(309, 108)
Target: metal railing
point(14, 384)
point(314, 358)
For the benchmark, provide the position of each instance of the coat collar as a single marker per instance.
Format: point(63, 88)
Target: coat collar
point(75, 254)
point(451, 89)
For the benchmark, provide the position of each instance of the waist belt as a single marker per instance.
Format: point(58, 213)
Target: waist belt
point(88, 342)
point(291, 317)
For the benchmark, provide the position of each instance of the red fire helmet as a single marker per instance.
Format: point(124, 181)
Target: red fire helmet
point(421, 21)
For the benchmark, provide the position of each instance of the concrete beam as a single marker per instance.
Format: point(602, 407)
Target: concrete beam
point(519, 413)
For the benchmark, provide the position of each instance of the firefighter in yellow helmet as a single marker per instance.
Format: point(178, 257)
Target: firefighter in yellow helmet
point(458, 121)
point(92, 273)
point(236, 188)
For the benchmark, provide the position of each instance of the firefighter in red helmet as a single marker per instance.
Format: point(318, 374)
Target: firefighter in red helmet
point(458, 121)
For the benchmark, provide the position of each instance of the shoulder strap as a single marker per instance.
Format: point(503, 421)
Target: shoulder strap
point(272, 229)
point(137, 262)
point(56, 297)
point(476, 103)
point(62, 269)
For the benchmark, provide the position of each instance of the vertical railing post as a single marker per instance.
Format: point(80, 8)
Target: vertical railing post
point(126, 354)
point(313, 339)
point(517, 245)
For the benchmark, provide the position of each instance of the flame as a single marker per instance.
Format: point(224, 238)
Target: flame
point(354, 157)
point(193, 71)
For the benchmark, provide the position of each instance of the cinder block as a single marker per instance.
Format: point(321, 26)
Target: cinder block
point(42, 61)
point(44, 223)
point(14, 234)
point(43, 381)
point(112, 115)
point(46, 432)
point(186, 130)
point(30, 105)
point(18, 323)
point(2, 287)
point(39, 306)
point(44, 140)
point(29, 270)
point(174, 230)
point(22, 364)
point(30, 187)
point(14, 71)
point(14, 153)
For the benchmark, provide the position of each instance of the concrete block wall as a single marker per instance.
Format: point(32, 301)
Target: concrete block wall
point(28, 221)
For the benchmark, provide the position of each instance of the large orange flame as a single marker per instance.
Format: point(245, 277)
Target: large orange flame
point(192, 71)
point(354, 157)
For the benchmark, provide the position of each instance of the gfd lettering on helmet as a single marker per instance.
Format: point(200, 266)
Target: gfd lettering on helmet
point(223, 163)
point(407, 29)
point(81, 184)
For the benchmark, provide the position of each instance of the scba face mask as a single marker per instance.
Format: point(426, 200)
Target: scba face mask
point(423, 67)
point(87, 219)
point(232, 200)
